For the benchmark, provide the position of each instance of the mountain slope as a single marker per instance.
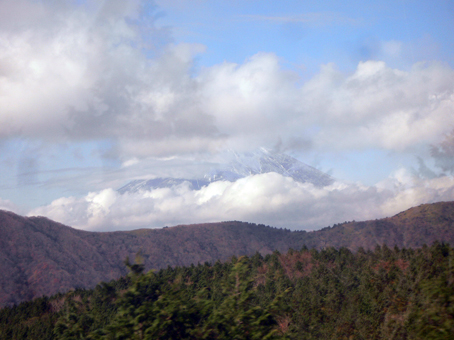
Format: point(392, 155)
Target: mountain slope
point(39, 256)
point(239, 166)
point(411, 228)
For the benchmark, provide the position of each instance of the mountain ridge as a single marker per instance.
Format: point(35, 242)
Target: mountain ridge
point(41, 257)
point(239, 166)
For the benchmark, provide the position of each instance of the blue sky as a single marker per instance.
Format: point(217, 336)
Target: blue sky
point(308, 34)
point(96, 93)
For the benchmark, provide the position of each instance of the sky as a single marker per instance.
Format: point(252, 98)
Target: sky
point(96, 93)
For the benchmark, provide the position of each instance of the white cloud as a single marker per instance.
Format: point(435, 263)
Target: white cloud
point(86, 73)
point(10, 206)
point(258, 103)
point(252, 101)
point(381, 107)
point(267, 198)
point(422, 191)
point(87, 77)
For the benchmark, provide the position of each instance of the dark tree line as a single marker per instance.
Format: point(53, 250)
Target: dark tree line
point(306, 294)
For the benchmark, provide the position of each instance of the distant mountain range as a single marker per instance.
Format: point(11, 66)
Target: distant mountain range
point(42, 257)
point(240, 165)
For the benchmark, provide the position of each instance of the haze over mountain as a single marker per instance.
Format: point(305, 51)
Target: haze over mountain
point(240, 165)
point(39, 256)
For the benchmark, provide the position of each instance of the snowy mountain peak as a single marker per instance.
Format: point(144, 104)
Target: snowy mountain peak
point(240, 165)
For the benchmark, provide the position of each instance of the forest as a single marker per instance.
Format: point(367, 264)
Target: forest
point(385, 293)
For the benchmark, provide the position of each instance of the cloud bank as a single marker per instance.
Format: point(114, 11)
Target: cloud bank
point(105, 71)
point(97, 71)
point(266, 198)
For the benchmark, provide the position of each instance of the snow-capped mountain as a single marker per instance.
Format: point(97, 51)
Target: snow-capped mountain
point(239, 166)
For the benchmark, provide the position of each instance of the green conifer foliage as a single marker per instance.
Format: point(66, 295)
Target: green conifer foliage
point(389, 293)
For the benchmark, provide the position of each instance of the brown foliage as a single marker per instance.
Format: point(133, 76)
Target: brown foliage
point(289, 263)
point(41, 257)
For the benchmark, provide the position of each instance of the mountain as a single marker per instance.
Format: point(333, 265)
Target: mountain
point(41, 257)
point(238, 166)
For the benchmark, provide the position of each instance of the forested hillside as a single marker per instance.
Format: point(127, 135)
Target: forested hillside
point(387, 293)
point(41, 257)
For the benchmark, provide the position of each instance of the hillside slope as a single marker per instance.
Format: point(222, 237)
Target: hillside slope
point(39, 256)
point(411, 228)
